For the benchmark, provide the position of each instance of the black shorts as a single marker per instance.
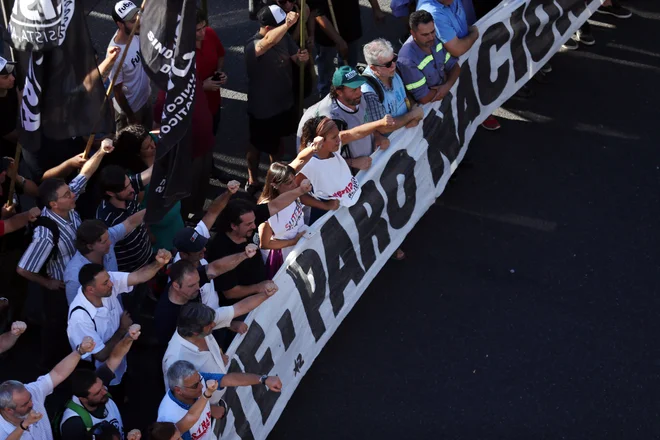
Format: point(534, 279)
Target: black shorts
point(265, 134)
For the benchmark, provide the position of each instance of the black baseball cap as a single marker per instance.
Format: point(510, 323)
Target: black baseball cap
point(189, 240)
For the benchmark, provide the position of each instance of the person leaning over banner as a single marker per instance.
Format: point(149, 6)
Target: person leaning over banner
point(345, 103)
point(186, 403)
point(270, 56)
point(51, 249)
point(193, 340)
point(282, 231)
point(451, 27)
point(96, 244)
point(427, 69)
point(384, 92)
point(91, 403)
point(22, 411)
point(132, 90)
point(97, 310)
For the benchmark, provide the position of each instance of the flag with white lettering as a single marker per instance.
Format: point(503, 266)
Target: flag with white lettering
point(63, 91)
point(168, 56)
point(38, 25)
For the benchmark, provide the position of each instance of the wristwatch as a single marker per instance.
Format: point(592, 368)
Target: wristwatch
point(263, 378)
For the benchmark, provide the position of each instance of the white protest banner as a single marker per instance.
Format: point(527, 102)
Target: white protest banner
point(326, 274)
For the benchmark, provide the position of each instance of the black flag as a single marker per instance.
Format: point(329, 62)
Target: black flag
point(168, 56)
point(63, 87)
point(38, 25)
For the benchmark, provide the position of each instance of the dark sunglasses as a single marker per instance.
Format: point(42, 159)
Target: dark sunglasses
point(389, 63)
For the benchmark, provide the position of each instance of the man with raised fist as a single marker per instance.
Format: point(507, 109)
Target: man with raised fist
point(22, 406)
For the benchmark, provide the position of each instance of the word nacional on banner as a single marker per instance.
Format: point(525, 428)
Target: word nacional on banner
point(326, 274)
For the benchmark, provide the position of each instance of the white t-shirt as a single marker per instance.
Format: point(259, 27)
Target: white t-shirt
point(207, 361)
point(134, 80)
point(332, 179)
point(286, 224)
point(40, 430)
point(107, 319)
point(207, 291)
point(173, 411)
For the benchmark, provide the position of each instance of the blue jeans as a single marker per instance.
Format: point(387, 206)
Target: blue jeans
point(326, 64)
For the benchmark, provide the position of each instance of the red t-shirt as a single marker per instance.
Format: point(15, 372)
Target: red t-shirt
point(201, 124)
point(207, 63)
point(2, 228)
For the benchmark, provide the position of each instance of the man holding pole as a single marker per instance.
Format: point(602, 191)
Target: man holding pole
point(132, 89)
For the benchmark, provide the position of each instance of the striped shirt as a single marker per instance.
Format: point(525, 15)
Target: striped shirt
point(42, 239)
point(134, 251)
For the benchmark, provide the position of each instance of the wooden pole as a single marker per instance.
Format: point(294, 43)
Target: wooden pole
point(301, 77)
point(334, 22)
point(108, 92)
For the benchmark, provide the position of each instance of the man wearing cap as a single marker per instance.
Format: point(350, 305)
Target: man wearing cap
point(270, 55)
point(9, 106)
point(427, 69)
point(344, 103)
point(132, 90)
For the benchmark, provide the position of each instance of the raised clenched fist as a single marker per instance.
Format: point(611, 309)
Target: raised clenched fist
point(233, 186)
point(87, 345)
point(18, 328)
point(251, 250)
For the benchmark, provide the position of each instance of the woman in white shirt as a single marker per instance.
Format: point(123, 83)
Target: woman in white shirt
point(281, 232)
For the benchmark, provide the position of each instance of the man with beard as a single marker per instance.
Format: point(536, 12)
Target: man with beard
point(427, 68)
point(98, 312)
point(132, 90)
point(120, 194)
point(91, 403)
point(22, 411)
point(344, 103)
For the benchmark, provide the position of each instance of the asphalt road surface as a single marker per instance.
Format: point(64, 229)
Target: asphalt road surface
point(527, 307)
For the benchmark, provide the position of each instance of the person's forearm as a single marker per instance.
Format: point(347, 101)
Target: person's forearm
point(90, 167)
point(66, 366)
point(454, 73)
point(305, 154)
point(107, 350)
point(91, 78)
point(123, 102)
point(62, 170)
point(146, 175)
point(119, 352)
point(134, 221)
point(215, 208)
point(106, 67)
point(221, 64)
point(29, 187)
point(326, 25)
point(375, 6)
point(246, 305)
point(16, 434)
point(278, 244)
point(144, 274)
point(240, 380)
point(34, 277)
point(312, 202)
point(238, 292)
point(284, 200)
point(17, 222)
point(271, 39)
point(193, 414)
point(7, 341)
point(359, 132)
point(224, 264)
point(399, 121)
point(430, 96)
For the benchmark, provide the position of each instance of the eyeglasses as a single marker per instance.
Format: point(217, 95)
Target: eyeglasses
point(194, 387)
point(389, 63)
point(66, 195)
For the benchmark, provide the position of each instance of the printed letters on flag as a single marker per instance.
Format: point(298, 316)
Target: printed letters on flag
point(38, 25)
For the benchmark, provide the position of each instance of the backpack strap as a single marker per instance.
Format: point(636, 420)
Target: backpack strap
point(81, 412)
point(49, 224)
point(84, 310)
point(373, 82)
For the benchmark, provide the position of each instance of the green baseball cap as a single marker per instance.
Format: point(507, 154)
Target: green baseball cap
point(348, 77)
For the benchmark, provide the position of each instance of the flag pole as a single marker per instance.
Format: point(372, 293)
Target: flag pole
point(19, 148)
point(334, 22)
point(108, 92)
point(301, 77)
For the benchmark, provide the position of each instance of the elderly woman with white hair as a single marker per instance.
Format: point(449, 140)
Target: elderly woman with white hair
point(384, 91)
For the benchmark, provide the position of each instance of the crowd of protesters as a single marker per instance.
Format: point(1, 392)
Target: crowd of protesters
point(79, 263)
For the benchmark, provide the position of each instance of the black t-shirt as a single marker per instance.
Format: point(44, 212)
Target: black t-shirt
point(250, 271)
point(167, 312)
point(347, 13)
point(74, 428)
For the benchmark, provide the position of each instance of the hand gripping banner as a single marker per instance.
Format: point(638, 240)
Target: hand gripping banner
point(326, 274)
